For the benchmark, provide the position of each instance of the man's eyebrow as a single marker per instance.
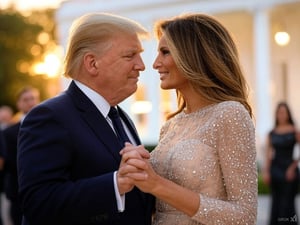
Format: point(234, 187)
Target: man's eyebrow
point(134, 50)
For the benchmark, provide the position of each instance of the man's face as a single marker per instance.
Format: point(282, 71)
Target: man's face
point(28, 100)
point(120, 67)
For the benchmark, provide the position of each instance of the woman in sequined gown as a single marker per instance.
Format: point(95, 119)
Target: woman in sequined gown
point(203, 170)
point(281, 170)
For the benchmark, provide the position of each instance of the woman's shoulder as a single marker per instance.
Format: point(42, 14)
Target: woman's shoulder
point(231, 108)
point(229, 105)
point(229, 111)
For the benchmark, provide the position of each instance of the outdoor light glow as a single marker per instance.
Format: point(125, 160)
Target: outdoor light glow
point(49, 67)
point(282, 38)
point(39, 68)
point(52, 65)
point(141, 107)
point(30, 4)
point(43, 38)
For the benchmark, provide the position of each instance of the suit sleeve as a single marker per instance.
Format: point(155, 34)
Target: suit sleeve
point(49, 191)
point(2, 149)
point(2, 145)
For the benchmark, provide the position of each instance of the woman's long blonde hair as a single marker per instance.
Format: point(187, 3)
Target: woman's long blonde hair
point(204, 50)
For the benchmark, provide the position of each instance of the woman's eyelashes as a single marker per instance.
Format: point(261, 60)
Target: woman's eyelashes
point(164, 51)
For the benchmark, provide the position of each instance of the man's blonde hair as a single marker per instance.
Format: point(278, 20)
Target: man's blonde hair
point(96, 29)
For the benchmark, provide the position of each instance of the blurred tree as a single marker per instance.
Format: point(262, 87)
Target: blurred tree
point(24, 41)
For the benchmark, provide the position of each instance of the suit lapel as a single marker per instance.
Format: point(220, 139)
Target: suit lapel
point(130, 125)
point(104, 132)
point(96, 121)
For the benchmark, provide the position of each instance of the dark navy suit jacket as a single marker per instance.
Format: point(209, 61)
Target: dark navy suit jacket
point(2, 149)
point(10, 154)
point(67, 153)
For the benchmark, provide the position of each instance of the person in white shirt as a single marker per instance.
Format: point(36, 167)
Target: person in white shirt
point(69, 156)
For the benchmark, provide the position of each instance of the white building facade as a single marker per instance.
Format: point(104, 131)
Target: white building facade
point(272, 70)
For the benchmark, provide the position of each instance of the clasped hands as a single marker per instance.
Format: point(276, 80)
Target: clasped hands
point(135, 170)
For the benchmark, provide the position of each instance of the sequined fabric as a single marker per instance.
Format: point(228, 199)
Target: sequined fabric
point(212, 152)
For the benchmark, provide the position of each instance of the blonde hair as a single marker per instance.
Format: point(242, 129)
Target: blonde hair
point(204, 50)
point(95, 30)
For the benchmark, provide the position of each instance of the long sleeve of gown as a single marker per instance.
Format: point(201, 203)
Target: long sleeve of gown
point(235, 146)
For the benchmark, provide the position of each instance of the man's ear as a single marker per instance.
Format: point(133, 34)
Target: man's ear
point(90, 63)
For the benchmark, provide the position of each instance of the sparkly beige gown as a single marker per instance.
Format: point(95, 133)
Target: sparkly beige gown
point(212, 152)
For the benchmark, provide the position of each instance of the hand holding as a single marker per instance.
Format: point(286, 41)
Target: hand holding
point(298, 136)
point(139, 169)
point(139, 153)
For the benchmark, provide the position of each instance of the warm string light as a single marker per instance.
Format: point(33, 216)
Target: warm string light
point(282, 38)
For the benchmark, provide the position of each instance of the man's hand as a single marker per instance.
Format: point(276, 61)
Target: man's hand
point(137, 154)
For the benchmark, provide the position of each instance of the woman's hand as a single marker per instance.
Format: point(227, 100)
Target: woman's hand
point(136, 166)
point(290, 174)
point(298, 136)
point(128, 173)
point(266, 177)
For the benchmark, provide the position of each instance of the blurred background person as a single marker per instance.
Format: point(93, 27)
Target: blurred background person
point(27, 98)
point(280, 169)
point(6, 119)
point(2, 146)
point(6, 116)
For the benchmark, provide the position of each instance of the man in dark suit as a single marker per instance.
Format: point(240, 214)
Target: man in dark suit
point(68, 148)
point(2, 147)
point(27, 98)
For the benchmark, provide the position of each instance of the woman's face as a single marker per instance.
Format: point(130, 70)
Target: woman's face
point(170, 76)
point(282, 115)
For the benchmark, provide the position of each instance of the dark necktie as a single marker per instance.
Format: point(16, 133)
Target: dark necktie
point(118, 126)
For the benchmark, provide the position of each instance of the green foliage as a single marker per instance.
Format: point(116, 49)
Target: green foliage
point(262, 187)
point(19, 50)
point(150, 147)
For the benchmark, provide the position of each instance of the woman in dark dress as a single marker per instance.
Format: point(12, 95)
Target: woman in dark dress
point(281, 169)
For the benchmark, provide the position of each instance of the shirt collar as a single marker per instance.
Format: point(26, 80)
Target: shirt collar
point(101, 104)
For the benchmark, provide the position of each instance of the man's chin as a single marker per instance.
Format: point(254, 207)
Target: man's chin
point(133, 89)
point(129, 91)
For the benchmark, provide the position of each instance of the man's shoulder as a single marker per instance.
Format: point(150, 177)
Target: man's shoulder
point(55, 101)
point(12, 128)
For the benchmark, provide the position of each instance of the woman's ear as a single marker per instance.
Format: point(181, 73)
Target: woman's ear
point(90, 63)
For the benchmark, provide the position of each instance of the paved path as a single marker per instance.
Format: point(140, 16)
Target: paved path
point(264, 208)
point(262, 215)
